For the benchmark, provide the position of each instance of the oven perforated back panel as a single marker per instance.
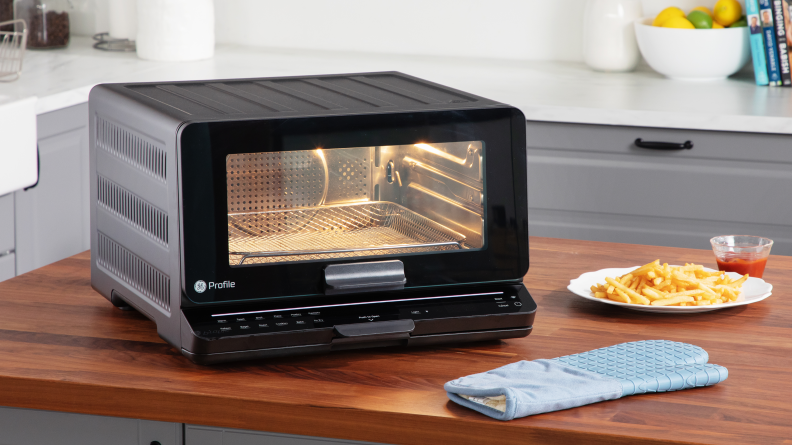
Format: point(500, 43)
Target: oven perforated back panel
point(260, 182)
point(350, 174)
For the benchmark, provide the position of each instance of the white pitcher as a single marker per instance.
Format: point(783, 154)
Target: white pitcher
point(608, 35)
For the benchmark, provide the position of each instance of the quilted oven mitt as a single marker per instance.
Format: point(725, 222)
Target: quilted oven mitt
point(539, 386)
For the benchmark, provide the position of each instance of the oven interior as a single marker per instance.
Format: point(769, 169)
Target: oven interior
point(324, 204)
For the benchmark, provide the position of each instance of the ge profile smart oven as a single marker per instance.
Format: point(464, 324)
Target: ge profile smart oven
point(254, 218)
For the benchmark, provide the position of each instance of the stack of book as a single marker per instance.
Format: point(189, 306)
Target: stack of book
point(770, 25)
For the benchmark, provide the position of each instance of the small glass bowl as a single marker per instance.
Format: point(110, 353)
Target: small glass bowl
point(742, 253)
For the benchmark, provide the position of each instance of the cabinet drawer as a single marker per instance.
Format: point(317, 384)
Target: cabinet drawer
point(591, 182)
point(711, 145)
point(6, 222)
point(7, 267)
point(699, 190)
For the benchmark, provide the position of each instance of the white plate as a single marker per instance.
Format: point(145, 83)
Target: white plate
point(753, 290)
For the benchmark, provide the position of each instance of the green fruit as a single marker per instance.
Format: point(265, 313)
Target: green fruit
point(699, 19)
point(742, 23)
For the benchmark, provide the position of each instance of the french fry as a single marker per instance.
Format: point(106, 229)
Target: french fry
point(686, 293)
point(620, 297)
point(671, 301)
point(623, 288)
point(652, 294)
point(664, 285)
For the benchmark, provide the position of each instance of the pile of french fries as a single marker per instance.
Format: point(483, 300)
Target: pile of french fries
point(663, 285)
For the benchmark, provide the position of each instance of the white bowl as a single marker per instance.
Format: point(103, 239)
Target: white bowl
point(693, 54)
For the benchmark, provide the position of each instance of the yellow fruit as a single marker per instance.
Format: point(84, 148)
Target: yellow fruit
point(703, 9)
point(678, 22)
point(666, 14)
point(727, 12)
point(716, 25)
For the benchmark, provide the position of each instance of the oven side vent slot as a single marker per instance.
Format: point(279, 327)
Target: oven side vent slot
point(132, 270)
point(134, 210)
point(130, 147)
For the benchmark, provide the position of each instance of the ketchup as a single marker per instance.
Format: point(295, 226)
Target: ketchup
point(754, 268)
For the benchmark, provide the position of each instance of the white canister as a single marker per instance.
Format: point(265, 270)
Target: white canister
point(175, 30)
point(122, 15)
point(608, 35)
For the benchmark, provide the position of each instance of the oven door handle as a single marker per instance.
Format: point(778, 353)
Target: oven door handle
point(374, 331)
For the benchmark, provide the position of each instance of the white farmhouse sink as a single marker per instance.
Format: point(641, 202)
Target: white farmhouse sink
point(18, 162)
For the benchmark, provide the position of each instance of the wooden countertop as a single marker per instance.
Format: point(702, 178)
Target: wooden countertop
point(64, 347)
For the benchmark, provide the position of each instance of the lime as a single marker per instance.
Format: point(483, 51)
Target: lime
point(666, 14)
point(678, 22)
point(742, 23)
point(703, 9)
point(700, 20)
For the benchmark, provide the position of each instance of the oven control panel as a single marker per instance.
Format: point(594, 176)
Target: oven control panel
point(416, 306)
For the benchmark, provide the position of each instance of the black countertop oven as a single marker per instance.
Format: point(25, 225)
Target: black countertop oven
point(265, 217)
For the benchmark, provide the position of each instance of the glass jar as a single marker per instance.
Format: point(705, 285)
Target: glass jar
point(47, 22)
point(6, 14)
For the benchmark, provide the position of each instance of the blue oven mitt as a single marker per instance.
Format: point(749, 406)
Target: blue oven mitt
point(539, 386)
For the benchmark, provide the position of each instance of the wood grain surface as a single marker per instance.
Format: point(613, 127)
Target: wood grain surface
point(64, 347)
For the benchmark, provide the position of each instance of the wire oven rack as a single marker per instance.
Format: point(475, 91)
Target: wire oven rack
point(370, 228)
point(12, 49)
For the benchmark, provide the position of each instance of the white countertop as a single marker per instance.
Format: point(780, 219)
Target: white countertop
point(545, 91)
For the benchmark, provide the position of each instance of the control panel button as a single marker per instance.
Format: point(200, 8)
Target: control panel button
point(225, 329)
point(297, 314)
point(517, 303)
point(263, 325)
point(241, 320)
point(301, 322)
point(259, 318)
point(222, 320)
point(245, 326)
point(277, 316)
point(315, 313)
point(282, 323)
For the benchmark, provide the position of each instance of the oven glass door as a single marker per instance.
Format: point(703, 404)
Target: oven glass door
point(325, 204)
point(268, 204)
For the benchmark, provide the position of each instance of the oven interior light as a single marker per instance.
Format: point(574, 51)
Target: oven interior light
point(442, 154)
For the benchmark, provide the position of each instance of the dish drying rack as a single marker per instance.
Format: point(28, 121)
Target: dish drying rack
point(12, 50)
point(371, 228)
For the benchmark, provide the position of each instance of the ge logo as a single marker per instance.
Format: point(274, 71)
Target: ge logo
point(200, 286)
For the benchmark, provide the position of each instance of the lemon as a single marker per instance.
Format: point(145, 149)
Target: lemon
point(727, 12)
point(700, 20)
point(678, 22)
point(703, 9)
point(666, 14)
point(716, 25)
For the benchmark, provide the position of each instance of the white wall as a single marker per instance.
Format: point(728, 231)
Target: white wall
point(501, 29)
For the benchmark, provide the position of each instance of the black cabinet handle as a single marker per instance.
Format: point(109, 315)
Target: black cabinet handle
point(687, 145)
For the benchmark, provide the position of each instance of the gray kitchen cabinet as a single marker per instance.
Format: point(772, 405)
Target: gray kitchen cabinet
point(34, 427)
point(52, 219)
point(592, 182)
point(204, 435)
point(7, 257)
